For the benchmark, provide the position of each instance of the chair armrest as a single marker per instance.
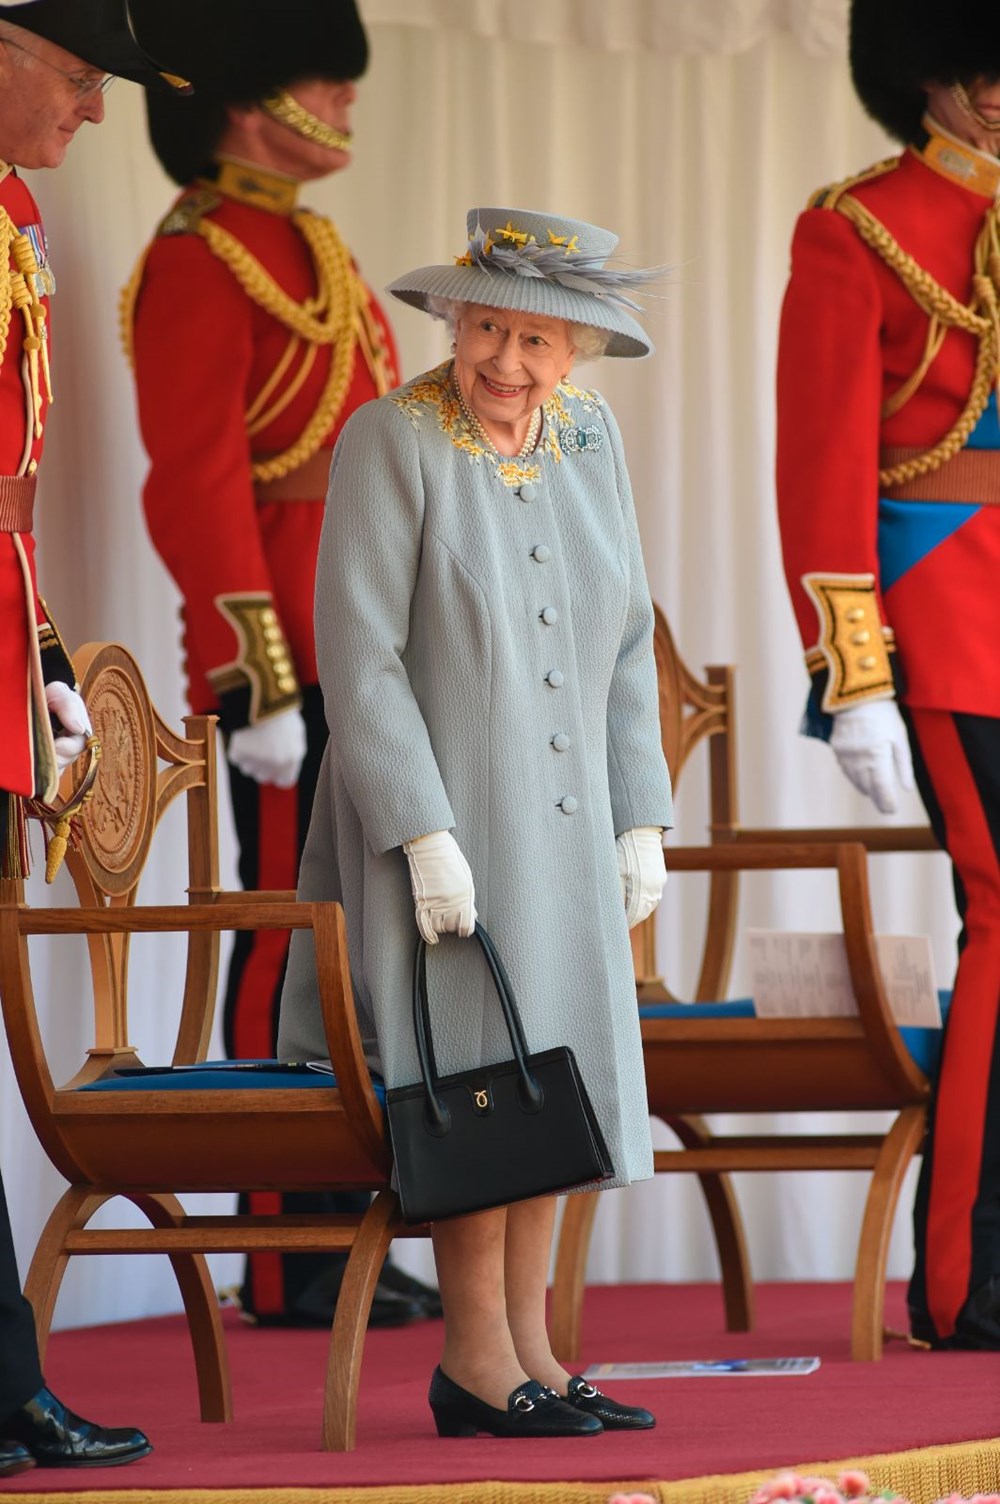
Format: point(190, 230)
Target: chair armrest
point(250, 914)
point(738, 856)
point(874, 838)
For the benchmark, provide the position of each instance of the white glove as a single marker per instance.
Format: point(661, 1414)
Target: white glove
point(270, 751)
point(872, 747)
point(443, 890)
point(642, 870)
point(71, 713)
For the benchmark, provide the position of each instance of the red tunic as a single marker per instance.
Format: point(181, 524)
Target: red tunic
point(29, 653)
point(204, 351)
point(851, 335)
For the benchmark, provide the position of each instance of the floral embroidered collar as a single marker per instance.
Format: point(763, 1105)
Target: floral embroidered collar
point(561, 432)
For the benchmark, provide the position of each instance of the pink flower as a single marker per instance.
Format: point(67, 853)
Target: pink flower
point(854, 1484)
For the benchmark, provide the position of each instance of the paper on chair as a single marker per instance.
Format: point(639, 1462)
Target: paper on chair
point(711, 1368)
point(802, 975)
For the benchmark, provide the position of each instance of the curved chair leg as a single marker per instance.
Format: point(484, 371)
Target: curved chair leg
point(727, 1226)
point(566, 1319)
point(71, 1212)
point(350, 1324)
point(201, 1307)
point(898, 1148)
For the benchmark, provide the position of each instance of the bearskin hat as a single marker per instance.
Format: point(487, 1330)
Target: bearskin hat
point(898, 46)
point(237, 52)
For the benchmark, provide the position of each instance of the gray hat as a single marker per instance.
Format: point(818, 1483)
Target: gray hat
point(538, 263)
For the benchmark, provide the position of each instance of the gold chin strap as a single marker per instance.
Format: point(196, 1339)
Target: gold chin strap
point(285, 108)
point(961, 98)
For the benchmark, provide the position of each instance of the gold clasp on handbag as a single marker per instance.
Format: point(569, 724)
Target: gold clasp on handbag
point(482, 1100)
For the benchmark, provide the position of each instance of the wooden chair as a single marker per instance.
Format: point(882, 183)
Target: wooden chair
point(148, 1145)
point(698, 1062)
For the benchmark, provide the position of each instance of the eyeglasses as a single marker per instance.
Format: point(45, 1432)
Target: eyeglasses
point(85, 84)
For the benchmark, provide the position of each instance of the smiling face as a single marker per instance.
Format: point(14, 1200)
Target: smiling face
point(46, 94)
point(254, 136)
point(974, 118)
point(507, 364)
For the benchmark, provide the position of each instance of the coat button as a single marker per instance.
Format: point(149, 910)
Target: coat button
point(527, 492)
point(560, 741)
point(556, 678)
point(568, 805)
point(541, 553)
point(550, 616)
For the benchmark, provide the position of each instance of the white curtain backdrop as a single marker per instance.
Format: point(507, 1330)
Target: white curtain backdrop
point(694, 128)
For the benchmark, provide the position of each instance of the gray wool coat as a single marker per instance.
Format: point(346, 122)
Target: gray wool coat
point(484, 640)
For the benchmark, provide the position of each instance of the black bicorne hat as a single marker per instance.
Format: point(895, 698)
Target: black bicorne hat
point(238, 52)
point(100, 32)
point(899, 46)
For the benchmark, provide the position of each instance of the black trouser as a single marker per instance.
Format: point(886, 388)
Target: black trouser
point(20, 1374)
point(271, 826)
point(957, 1210)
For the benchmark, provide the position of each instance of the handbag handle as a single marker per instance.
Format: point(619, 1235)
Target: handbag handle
point(529, 1091)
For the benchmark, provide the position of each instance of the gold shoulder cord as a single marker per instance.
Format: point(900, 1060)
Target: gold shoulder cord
point(328, 318)
point(19, 289)
point(980, 317)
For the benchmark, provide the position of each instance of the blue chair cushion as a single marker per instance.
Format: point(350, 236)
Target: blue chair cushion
point(227, 1075)
point(924, 1045)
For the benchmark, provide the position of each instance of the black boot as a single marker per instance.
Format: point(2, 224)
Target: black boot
point(14, 1459)
point(393, 1278)
point(56, 1437)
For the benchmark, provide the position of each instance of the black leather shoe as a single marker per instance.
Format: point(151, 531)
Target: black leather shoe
point(316, 1306)
point(977, 1325)
point(612, 1416)
point(14, 1459)
point(56, 1437)
point(395, 1279)
point(532, 1410)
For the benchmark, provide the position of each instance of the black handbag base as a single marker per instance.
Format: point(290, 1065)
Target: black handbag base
point(498, 1147)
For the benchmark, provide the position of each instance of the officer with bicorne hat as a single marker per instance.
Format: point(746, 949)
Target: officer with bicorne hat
point(889, 502)
point(57, 58)
point(253, 339)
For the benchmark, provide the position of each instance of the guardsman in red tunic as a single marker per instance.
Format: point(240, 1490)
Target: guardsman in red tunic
point(254, 338)
point(57, 57)
point(889, 503)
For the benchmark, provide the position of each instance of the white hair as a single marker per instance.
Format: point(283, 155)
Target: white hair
point(588, 342)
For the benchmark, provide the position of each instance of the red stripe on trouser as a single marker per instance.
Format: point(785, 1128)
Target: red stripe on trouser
point(963, 1084)
point(253, 1016)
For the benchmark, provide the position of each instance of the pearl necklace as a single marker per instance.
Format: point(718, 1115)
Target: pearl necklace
point(531, 439)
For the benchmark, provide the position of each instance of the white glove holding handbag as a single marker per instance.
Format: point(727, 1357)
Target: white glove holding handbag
point(270, 751)
point(642, 870)
point(872, 747)
point(443, 891)
point(71, 713)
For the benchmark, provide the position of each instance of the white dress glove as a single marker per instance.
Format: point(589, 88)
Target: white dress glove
point(872, 747)
point(443, 890)
point(71, 713)
point(642, 870)
point(270, 751)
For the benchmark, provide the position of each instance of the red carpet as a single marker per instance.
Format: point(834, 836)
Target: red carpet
point(143, 1374)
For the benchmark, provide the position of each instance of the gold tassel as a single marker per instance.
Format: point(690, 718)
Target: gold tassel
point(57, 849)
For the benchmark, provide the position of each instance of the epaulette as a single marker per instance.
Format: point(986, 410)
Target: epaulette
point(826, 198)
point(187, 214)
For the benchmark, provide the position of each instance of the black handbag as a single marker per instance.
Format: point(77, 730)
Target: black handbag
point(500, 1133)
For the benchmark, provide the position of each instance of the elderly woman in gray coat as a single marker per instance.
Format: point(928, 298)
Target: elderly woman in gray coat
point(484, 640)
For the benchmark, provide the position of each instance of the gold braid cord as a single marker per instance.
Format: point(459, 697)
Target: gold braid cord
point(328, 318)
point(980, 318)
point(19, 289)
